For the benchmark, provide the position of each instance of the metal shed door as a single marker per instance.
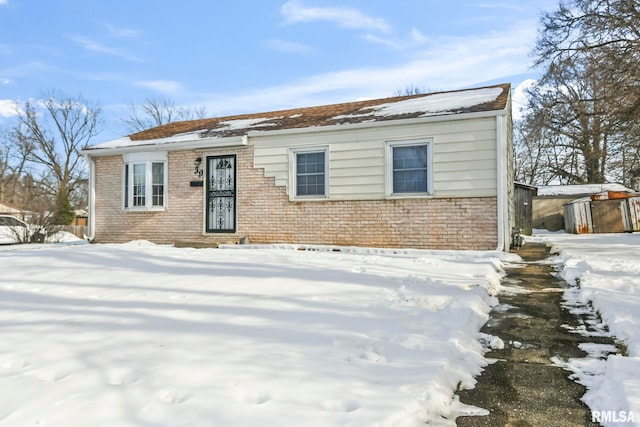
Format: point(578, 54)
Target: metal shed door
point(221, 194)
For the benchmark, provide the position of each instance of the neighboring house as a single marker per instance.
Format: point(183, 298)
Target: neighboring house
point(9, 210)
point(548, 204)
point(422, 171)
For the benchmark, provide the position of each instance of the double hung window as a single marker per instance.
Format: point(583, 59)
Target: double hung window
point(409, 168)
point(145, 181)
point(310, 172)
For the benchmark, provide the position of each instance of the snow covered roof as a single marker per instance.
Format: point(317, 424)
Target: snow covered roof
point(491, 98)
point(582, 189)
point(9, 210)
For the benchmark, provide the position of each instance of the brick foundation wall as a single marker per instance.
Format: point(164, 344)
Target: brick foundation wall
point(265, 214)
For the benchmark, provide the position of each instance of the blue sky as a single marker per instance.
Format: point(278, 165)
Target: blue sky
point(250, 56)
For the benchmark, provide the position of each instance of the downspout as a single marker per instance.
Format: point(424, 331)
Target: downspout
point(92, 199)
point(501, 198)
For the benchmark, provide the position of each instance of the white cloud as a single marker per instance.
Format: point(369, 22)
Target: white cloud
point(501, 6)
point(116, 31)
point(444, 63)
point(392, 43)
point(2, 2)
point(415, 38)
point(520, 98)
point(8, 108)
point(4, 81)
point(96, 47)
point(168, 87)
point(346, 17)
point(286, 46)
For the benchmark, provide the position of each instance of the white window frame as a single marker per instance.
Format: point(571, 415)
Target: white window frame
point(293, 167)
point(390, 145)
point(146, 159)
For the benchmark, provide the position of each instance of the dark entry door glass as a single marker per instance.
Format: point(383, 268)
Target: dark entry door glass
point(221, 194)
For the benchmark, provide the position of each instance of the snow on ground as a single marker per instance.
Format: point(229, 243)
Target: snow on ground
point(64, 237)
point(147, 335)
point(607, 269)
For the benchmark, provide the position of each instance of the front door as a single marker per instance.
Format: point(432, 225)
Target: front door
point(221, 194)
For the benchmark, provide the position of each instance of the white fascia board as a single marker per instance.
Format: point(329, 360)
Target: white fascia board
point(165, 144)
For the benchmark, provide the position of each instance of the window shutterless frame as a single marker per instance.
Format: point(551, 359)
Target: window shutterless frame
point(145, 181)
point(309, 173)
point(409, 168)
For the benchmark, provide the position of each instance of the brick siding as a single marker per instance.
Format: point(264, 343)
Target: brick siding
point(266, 215)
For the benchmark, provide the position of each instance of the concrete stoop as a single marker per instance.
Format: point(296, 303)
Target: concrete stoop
point(523, 387)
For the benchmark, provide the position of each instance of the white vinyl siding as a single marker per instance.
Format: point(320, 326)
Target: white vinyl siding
point(464, 157)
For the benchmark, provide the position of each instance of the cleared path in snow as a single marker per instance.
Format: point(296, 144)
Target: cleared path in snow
point(524, 387)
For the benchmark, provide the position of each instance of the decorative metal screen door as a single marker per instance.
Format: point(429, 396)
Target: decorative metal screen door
point(221, 194)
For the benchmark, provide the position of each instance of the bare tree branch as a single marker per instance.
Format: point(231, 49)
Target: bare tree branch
point(51, 133)
point(584, 112)
point(160, 111)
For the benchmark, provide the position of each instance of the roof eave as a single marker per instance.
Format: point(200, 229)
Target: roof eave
point(174, 144)
point(167, 144)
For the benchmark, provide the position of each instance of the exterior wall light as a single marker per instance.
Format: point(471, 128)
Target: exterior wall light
point(198, 170)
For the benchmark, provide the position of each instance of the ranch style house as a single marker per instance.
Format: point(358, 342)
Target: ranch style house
point(430, 171)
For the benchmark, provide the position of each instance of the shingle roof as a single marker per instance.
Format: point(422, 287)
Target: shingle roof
point(489, 98)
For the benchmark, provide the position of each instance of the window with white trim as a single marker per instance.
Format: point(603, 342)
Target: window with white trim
point(310, 172)
point(409, 168)
point(145, 181)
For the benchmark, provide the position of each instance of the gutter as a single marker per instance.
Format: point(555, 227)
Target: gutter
point(92, 198)
point(166, 144)
point(501, 188)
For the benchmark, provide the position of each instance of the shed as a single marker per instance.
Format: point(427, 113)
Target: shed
point(523, 206)
point(577, 216)
point(633, 220)
point(607, 212)
point(548, 203)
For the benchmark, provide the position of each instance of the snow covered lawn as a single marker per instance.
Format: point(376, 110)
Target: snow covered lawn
point(608, 269)
point(146, 335)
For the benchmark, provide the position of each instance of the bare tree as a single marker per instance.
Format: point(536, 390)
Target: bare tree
point(53, 131)
point(160, 111)
point(411, 90)
point(13, 165)
point(584, 110)
point(569, 105)
point(5, 175)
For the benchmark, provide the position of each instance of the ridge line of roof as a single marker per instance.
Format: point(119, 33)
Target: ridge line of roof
point(374, 101)
point(442, 103)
